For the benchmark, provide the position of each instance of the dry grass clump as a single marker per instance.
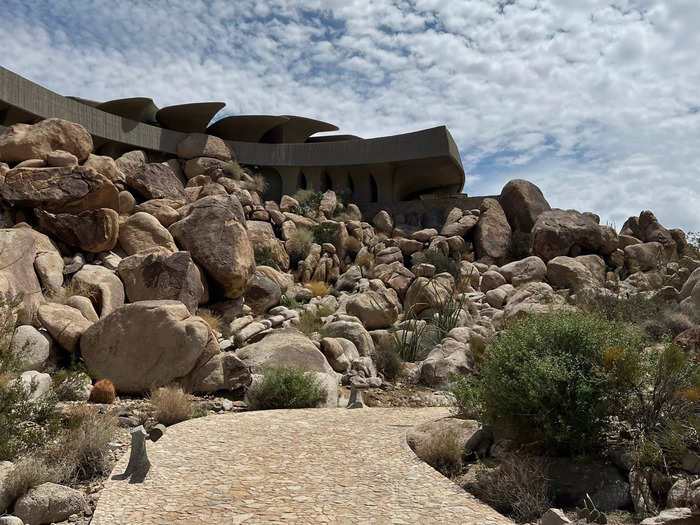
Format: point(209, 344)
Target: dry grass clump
point(298, 245)
point(70, 289)
point(517, 487)
point(310, 321)
point(103, 392)
point(172, 404)
point(213, 320)
point(260, 183)
point(234, 171)
point(27, 473)
point(443, 452)
point(317, 288)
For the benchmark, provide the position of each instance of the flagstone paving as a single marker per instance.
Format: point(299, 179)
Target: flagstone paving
point(332, 466)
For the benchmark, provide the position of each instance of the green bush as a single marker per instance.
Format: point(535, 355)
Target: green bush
point(324, 233)
point(310, 322)
point(443, 263)
point(286, 387)
point(388, 361)
point(289, 301)
point(413, 340)
point(309, 201)
point(560, 377)
point(265, 257)
point(467, 397)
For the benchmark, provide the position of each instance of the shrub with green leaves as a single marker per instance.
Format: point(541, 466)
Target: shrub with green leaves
point(309, 201)
point(324, 233)
point(387, 361)
point(559, 378)
point(265, 257)
point(286, 387)
point(298, 245)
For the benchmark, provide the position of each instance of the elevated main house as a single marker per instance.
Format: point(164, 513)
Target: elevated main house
point(402, 173)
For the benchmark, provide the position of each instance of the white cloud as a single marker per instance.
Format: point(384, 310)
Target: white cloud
point(592, 100)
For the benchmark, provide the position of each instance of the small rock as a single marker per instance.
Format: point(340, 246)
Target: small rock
point(49, 503)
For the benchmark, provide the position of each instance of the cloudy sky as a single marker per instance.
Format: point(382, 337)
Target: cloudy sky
point(597, 102)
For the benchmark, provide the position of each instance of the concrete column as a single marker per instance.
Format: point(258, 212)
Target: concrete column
point(360, 177)
point(313, 177)
point(384, 177)
point(289, 176)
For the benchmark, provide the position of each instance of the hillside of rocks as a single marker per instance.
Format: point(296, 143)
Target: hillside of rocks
point(154, 271)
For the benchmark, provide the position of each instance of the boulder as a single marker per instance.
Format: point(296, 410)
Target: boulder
point(445, 361)
point(84, 305)
point(105, 166)
point(351, 329)
point(348, 280)
point(677, 516)
point(6, 468)
point(103, 285)
point(378, 307)
point(36, 384)
point(213, 231)
point(142, 231)
point(48, 263)
point(596, 265)
point(203, 166)
point(224, 371)
point(554, 517)
point(203, 145)
point(491, 280)
point(31, 346)
point(690, 340)
point(65, 324)
point(428, 293)
point(650, 230)
point(127, 203)
point(460, 227)
point(20, 142)
point(147, 344)
point(339, 352)
point(534, 298)
point(492, 233)
point(59, 158)
point(424, 235)
point(59, 190)
point(524, 271)
point(558, 232)
point(522, 202)
point(159, 275)
point(284, 280)
point(644, 257)
point(92, 230)
point(131, 161)
point(262, 236)
point(165, 210)
point(49, 503)
point(567, 272)
point(156, 181)
point(262, 293)
point(383, 222)
point(329, 201)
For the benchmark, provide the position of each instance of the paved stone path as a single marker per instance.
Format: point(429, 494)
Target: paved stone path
point(332, 466)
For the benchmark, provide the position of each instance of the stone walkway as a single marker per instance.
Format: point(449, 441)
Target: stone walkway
point(332, 466)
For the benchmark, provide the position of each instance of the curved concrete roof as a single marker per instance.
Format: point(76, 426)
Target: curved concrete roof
point(333, 138)
point(140, 109)
point(86, 101)
point(245, 128)
point(296, 129)
point(426, 159)
point(189, 118)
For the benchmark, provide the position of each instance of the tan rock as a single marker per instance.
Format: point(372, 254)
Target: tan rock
point(155, 181)
point(92, 230)
point(492, 233)
point(105, 166)
point(142, 231)
point(65, 324)
point(428, 293)
point(567, 272)
point(147, 344)
point(202, 145)
point(84, 305)
point(61, 190)
point(26, 141)
point(161, 209)
point(557, 232)
point(127, 203)
point(103, 285)
point(59, 158)
point(378, 307)
point(524, 271)
point(203, 166)
point(224, 371)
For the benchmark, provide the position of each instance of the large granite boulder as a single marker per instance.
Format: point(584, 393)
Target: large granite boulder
point(378, 307)
point(147, 344)
point(224, 371)
point(31, 346)
point(165, 210)
point(65, 324)
point(203, 145)
point(567, 272)
point(350, 328)
point(156, 181)
point(428, 293)
point(534, 298)
point(162, 275)
point(262, 236)
point(446, 360)
point(49, 503)
point(644, 257)
point(92, 230)
point(566, 232)
point(142, 231)
point(492, 233)
point(522, 202)
point(59, 190)
point(524, 271)
point(262, 293)
point(213, 231)
point(102, 284)
point(22, 142)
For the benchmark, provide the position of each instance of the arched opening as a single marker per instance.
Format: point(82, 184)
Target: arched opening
point(374, 192)
point(351, 187)
point(326, 182)
point(301, 181)
point(274, 184)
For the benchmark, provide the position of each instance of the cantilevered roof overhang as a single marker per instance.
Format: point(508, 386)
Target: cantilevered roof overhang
point(421, 149)
point(245, 128)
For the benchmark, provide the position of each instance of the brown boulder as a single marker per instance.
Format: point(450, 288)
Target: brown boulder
point(202, 145)
point(147, 344)
point(103, 285)
point(174, 276)
point(142, 231)
point(155, 181)
point(92, 230)
point(21, 142)
point(492, 233)
point(62, 190)
point(522, 202)
point(262, 293)
point(164, 210)
point(105, 166)
point(213, 231)
point(224, 371)
point(65, 324)
point(262, 236)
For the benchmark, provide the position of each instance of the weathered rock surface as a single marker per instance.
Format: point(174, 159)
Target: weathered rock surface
point(21, 142)
point(262, 236)
point(49, 503)
point(31, 346)
point(142, 231)
point(262, 293)
point(203, 145)
point(534, 298)
point(156, 181)
point(524, 271)
point(492, 233)
point(165, 210)
point(378, 307)
point(105, 166)
point(92, 230)
point(224, 371)
point(71, 189)
point(213, 231)
point(104, 285)
point(65, 324)
point(147, 344)
point(353, 331)
point(159, 275)
point(522, 202)
point(428, 293)
point(567, 272)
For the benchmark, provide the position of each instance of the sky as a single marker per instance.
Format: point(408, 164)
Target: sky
point(596, 102)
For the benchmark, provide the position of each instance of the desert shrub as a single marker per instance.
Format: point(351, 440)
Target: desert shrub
point(289, 301)
point(213, 320)
point(298, 245)
point(233, 170)
point(310, 322)
point(172, 404)
point(443, 452)
point(467, 397)
point(69, 383)
point(324, 233)
point(103, 392)
point(286, 387)
point(309, 201)
point(260, 183)
point(265, 257)
point(387, 361)
point(29, 472)
point(412, 341)
point(448, 312)
point(560, 377)
point(317, 288)
point(443, 263)
point(517, 487)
